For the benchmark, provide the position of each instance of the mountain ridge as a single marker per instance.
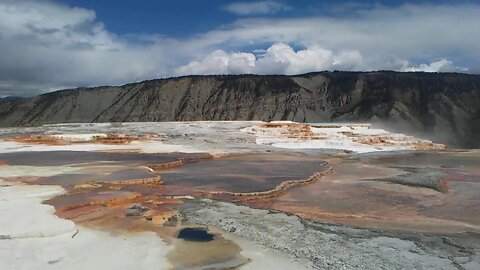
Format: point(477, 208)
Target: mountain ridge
point(440, 105)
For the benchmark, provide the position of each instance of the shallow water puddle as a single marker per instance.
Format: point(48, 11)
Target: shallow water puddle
point(195, 235)
point(198, 248)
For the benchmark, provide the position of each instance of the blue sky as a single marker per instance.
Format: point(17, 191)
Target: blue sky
point(53, 44)
point(191, 16)
point(156, 17)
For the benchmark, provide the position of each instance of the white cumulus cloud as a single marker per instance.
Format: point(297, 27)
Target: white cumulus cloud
point(280, 58)
point(220, 62)
point(437, 66)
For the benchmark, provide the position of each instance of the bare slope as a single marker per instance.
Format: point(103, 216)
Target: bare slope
point(443, 105)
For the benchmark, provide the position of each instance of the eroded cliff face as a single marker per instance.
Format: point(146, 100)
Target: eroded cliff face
point(442, 106)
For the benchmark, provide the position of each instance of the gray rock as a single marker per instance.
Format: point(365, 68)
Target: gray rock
point(136, 210)
point(442, 106)
point(330, 246)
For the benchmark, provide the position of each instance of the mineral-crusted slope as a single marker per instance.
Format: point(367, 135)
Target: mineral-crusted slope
point(442, 105)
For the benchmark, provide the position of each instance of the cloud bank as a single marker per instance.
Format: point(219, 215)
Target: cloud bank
point(46, 46)
point(281, 58)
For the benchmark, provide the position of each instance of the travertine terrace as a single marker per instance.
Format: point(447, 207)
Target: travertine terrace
point(68, 185)
point(352, 137)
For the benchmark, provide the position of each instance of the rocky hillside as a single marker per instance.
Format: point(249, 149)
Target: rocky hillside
point(442, 106)
point(4, 99)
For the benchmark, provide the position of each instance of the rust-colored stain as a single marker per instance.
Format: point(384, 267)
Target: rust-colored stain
point(118, 138)
point(38, 139)
point(108, 138)
point(138, 192)
point(126, 194)
point(304, 132)
point(355, 194)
